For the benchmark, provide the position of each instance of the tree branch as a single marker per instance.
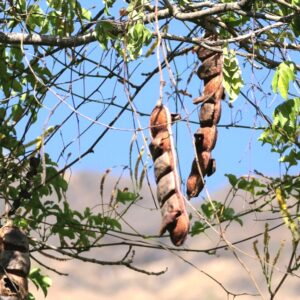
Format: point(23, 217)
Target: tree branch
point(170, 11)
point(46, 40)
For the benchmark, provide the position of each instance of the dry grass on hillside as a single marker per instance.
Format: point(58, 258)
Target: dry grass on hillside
point(183, 280)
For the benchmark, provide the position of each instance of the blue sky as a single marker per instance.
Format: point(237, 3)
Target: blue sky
point(237, 150)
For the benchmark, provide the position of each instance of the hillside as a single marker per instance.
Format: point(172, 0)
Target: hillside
point(186, 277)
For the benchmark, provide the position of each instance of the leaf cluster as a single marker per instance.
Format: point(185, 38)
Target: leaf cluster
point(232, 76)
point(215, 213)
point(132, 38)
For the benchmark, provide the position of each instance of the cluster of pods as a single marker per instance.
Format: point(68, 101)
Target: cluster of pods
point(174, 215)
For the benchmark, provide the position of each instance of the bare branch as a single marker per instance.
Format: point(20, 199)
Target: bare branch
point(46, 40)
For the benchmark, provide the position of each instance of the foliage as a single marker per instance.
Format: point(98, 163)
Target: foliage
point(284, 74)
point(232, 78)
point(283, 135)
point(71, 73)
point(40, 281)
point(214, 213)
point(132, 38)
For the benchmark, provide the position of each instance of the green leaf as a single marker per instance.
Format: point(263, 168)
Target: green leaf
point(108, 5)
point(238, 220)
point(21, 222)
point(17, 86)
point(125, 196)
point(292, 158)
point(40, 280)
point(210, 208)
point(138, 36)
point(275, 81)
point(56, 4)
point(112, 223)
point(228, 214)
point(234, 20)
point(232, 78)
point(2, 114)
point(104, 33)
point(232, 179)
point(197, 228)
point(250, 185)
point(17, 112)
point(57, 181)
point(295, 24)
point(283, 135)
point(286, 115)
point(35, 16)
point(183, 2)
point(86, 14)
point(30, 297)
point(285, 73)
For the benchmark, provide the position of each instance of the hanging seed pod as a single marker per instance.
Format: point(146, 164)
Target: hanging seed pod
point(174, 215)
point(210, 112)
point(15, 263)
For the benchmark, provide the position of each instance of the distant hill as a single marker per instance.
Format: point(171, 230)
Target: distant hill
point(186, 277)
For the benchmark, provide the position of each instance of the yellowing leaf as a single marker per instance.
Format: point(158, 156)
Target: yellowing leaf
point(232, 79)
point(286, 216)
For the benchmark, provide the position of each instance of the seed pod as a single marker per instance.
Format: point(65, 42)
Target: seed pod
point(15, 263)
point(160, 120)
point(166, 186)
point(195, 182)
point(213, 90)
point(217, 112)
point(163, 165)
point(211, 67)
point(204, 53)
point(174, 216)
point(206, 116)
point(160, 144)
point(206, 136)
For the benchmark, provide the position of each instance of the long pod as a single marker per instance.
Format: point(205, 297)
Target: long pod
point(206, 136)
point(15, 263)
point(174, 215)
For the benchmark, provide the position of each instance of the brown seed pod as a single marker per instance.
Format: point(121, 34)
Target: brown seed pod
point(211, 67)
point(204, 163)
point(195, 182)
point(175, 219)
point(15, 262)
point(179, 229)
point(166, 186)
point(210, 113)
point(160, 119)
point(213, 90)
point(205, 138)
point(174, 215)
point(163, 165)
point(212, 167)
point(160, 143)
point(204, 53)
point(217, 112)
point(207, 112)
